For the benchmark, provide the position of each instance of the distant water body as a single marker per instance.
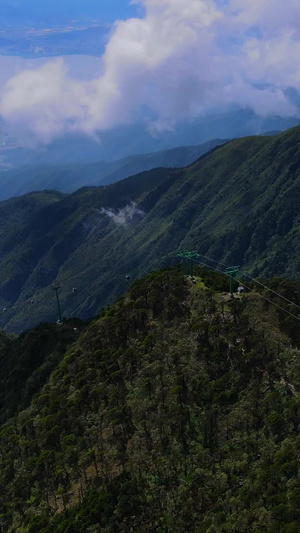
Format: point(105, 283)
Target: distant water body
point(80, 67)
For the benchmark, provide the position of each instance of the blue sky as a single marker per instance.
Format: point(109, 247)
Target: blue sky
point(107, 11)
point(117, 9)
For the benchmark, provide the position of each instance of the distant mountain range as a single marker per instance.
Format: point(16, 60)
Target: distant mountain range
point(124, 141)
point(68, 178)
point(238, 204)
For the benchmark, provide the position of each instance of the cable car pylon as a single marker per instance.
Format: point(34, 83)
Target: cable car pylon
point(191, 256)
point(231, 272)
point(56, 289)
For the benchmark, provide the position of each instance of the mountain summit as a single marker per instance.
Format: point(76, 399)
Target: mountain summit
point(175, 410)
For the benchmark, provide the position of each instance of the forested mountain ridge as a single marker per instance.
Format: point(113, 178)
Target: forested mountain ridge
point(175, 410)
point(27, 361)
point(238, 204)
point(68, 178)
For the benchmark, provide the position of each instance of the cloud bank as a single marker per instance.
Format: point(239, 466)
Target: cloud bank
point(175, 62)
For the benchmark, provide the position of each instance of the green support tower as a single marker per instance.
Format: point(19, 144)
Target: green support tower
point(232, 272)
point(190, 256)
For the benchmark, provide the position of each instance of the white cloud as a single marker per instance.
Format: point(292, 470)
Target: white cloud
point(176, 61)
point(271, 16)
point(124, 216)
point(45, 101)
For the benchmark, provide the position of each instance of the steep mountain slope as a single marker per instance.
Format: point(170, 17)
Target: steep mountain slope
point(176, 410)
point(238, 204)
point(39, 234)
point(68, 178)
point(27, 361)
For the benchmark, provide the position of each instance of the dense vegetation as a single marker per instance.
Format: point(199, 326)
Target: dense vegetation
point(27, 361)
point(238, 204)
point(176, 410)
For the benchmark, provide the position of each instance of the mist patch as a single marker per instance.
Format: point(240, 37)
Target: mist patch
point(127, 215)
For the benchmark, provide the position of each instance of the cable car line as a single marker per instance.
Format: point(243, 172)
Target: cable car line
point(271, 302)
point(249, 288)
point(248, 276)
point(271, 290)
point(194, 257)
